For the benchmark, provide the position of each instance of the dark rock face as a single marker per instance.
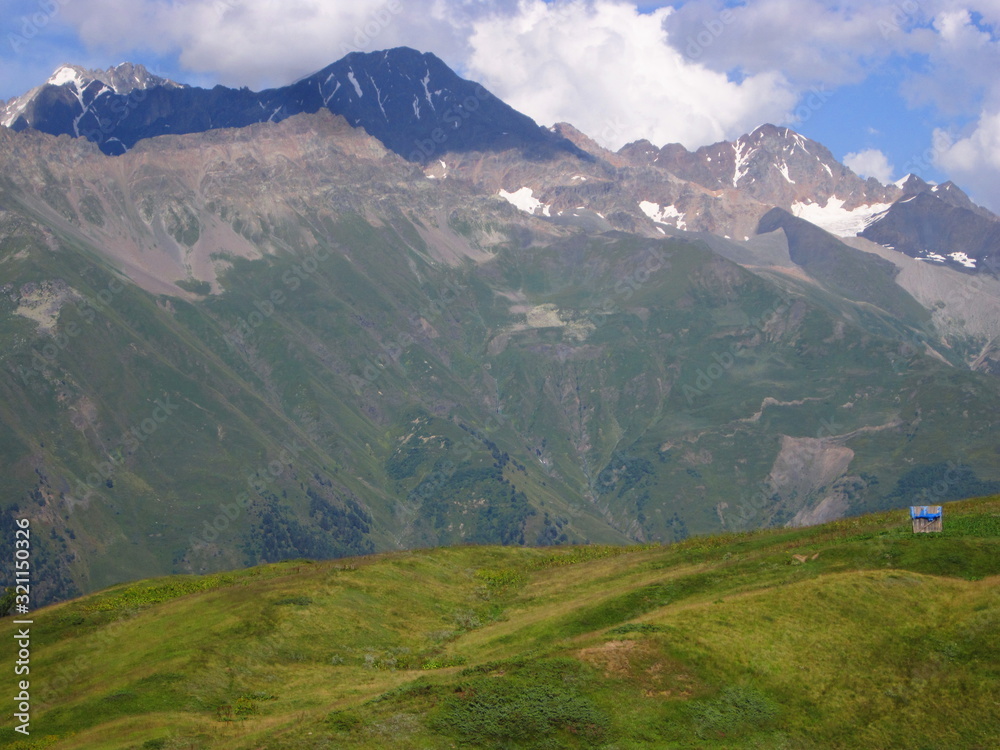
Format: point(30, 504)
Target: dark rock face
point(411, 101)
point(927, 226)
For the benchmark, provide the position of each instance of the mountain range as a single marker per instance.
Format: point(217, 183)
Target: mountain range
point(379, 309)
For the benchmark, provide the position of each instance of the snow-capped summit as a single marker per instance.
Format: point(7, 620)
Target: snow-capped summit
point(911, 183)
point(773, 164)
point(70, 74)
point(73, 82)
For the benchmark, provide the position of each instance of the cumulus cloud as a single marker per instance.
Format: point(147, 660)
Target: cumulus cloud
point(265, 42)
point(960, 66)
point(813, 41)
point(974, 160)
point(870, 163)
point(612, 72)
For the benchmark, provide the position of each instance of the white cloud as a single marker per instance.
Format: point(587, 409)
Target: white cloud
point(264, 42)
point(813, 41)
point(870, 163)
point(943, 53)
point(610, 71)
point(974, 161)
point(960, 66)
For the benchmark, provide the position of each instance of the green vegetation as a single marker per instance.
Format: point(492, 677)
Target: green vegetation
point(834, 636)
point(540, 705)
point(347, 389)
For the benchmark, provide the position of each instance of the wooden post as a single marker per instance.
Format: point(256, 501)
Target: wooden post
point(926, 518)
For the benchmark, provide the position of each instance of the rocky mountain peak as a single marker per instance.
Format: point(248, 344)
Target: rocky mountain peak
point(419, 107)
point(771, 164)
point(911, 184)
point(75, 85)
point(122, 78)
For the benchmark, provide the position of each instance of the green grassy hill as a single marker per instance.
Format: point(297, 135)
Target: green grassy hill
point(853, 634)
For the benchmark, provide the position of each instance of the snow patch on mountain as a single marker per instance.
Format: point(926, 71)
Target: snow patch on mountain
point(67, 74)
point(427, 94)
point(964, 259)
point(743, 152)
point(327, 97)
point(524, 199)
point(665, 215)
point(836, 219)
point(799, 140)
point(357, 86)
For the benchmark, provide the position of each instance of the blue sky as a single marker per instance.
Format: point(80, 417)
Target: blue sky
point(892, 87)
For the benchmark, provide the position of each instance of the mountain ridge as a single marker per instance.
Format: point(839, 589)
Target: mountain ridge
point(455, 111)
point(769, 166)
point(369, 352)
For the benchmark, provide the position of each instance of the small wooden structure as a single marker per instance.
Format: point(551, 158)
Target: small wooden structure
point(926, 518)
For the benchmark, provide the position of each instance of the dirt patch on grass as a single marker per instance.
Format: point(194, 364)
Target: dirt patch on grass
point(612, 657)
point(41, 302)
point(643, 664)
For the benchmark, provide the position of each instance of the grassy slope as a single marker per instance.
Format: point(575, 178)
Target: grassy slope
point(873, 637)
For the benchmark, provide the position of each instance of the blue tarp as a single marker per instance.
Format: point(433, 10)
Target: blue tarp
point(926, 512)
